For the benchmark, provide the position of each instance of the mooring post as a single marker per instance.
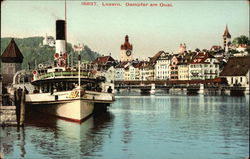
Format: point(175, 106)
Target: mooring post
point(152, 89)
point(18, 96)
point(201, 90)
point(22, 108)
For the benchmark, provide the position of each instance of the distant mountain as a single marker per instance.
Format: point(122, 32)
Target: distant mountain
point(34, 52)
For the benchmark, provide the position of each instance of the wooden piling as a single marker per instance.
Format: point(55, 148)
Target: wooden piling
point(22, 109)
point(1, 155)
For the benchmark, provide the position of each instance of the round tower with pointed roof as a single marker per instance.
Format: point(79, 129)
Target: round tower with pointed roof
point(11, 61)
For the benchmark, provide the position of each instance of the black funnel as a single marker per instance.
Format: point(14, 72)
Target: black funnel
point(60, 30)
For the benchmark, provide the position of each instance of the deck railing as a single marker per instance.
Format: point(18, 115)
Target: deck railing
point(63, 74)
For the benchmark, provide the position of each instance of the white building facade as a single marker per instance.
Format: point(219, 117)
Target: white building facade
point(162, 69)
point(183, 71)
point(237, 71)
point(203, 66)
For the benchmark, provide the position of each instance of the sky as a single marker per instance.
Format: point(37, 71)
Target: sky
point(199, 24)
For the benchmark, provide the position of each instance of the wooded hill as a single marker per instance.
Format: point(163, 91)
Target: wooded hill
point(34, 52)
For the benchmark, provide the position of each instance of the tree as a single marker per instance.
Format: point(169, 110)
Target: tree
point(34, 53)
point(241, 40)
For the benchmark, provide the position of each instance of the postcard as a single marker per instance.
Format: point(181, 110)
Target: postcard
point(116, 79)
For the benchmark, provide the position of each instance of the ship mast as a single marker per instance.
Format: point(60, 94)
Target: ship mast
point(65, 16)
point(79, 73)
point(79, 56)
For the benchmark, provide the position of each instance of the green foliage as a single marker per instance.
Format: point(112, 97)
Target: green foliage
point(34, 52)
point(241, 40)
point(87, 55)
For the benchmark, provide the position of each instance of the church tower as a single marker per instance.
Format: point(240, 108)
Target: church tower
point(226, 39)
point(12, 59)
point(182, 48)
point(126, 50)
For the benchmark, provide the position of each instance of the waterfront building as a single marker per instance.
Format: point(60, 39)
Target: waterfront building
point(236, 71)
point(162, 69)
point(226, 40)
point(150, 67)
point(174, 68)
point(126, 50)
point(147, 71)
point(132, 72)
point(203, 66)
point(126, 72)
point(137, 66)
point(183, 73)
point(12, 59)
point(183, 67)
point(119, 71)
point(104, 62)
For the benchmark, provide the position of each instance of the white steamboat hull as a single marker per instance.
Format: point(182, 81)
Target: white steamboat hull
point(74, 109)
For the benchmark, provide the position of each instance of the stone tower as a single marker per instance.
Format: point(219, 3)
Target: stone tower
point(11, 59)
point(182, 48)
point(126, 50)
point(226, 40)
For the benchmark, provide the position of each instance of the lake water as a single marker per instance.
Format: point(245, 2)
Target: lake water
point(140, 127)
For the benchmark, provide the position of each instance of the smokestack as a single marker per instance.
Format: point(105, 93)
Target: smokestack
point(60, 30)
point(60, 37)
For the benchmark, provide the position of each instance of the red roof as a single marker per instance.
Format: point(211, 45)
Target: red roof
point(216, 47)
point(12, 54)
point(126, 45)
point(236, 66)
point(243, 46)
point(201, 57)
point(146, 64)
point(138, 65)
point(156, 57)
point(226, 33)
point(121, 64)
point(103, 60)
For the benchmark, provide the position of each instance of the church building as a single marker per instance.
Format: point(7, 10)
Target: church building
point(226, 39)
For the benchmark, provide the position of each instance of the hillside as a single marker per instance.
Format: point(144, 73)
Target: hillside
point(34, 53)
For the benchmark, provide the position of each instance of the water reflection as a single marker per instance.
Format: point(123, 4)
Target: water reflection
point(170, 126)
point(50, 137)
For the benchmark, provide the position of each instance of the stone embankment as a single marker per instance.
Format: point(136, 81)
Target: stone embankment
point(8, 116)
